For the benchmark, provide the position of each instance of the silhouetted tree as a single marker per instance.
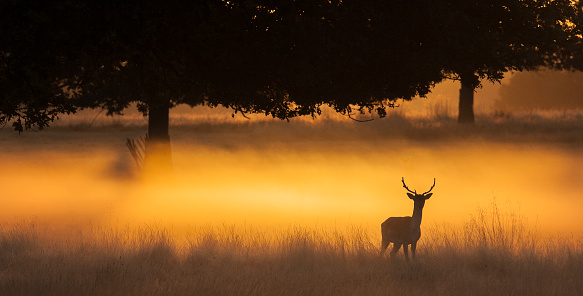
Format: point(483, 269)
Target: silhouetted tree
point(283, 59)
point(484, 39)
point(161, 54)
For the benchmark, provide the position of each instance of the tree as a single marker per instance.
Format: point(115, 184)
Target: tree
point(484, 39)
point(66, 55)
point(284, 59)
point(163, 54)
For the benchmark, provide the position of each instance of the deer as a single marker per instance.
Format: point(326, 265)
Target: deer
point(405, 231)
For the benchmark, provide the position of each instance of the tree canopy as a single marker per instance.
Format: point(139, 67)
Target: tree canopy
point(280, 58)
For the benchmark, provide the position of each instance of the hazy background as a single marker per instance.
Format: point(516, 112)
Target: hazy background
point(322, 172)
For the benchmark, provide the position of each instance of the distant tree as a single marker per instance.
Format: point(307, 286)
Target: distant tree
point(484, 39)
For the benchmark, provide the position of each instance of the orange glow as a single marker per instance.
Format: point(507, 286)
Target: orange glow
point(281, 175)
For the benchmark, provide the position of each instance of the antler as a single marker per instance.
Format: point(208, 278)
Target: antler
point(403, 180)
point(430, 188)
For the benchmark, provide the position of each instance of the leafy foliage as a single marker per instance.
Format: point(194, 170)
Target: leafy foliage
point(280, 58)
point(35, 53)
point(484, 39)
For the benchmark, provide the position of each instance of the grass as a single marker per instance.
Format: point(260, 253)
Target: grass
point(493, 254)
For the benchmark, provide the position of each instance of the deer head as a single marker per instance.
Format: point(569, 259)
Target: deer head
point(418, 198)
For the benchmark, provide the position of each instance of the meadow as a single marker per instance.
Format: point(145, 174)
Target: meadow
point(493, 254)
point(262, 207)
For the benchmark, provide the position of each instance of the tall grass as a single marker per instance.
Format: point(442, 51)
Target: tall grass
point(493, 254)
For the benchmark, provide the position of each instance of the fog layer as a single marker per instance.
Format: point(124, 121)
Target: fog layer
point(326, 172)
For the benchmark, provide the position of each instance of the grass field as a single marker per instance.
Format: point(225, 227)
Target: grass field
point(492, 254)
point(261, 207)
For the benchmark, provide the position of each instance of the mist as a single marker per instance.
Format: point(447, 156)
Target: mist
point(545, 90)
point(325, 172)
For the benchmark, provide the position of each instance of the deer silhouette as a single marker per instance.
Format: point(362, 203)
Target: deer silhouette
point(405, 231)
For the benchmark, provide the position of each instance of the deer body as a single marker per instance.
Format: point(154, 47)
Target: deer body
point(405, 231)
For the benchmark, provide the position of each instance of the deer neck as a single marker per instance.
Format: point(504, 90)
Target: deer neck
point(416, 217)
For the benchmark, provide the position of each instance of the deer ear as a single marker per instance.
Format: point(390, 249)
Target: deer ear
point(411, 196)
point(428, 195)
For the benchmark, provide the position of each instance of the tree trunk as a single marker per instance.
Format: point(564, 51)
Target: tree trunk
point(158, 159)
point(466, 105)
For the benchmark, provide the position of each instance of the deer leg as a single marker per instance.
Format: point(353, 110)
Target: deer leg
point(413, 248)
point(384, 246)
point(395, 249)
point(406, 250)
